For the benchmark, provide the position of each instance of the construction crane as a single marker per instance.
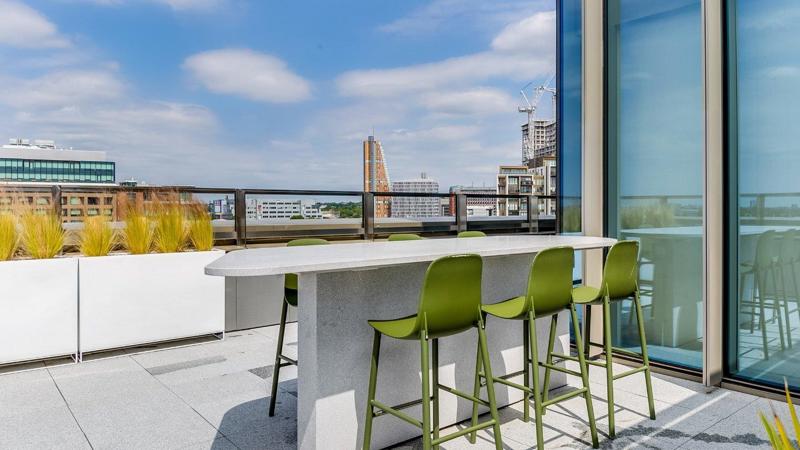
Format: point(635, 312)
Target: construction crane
point(530, 109)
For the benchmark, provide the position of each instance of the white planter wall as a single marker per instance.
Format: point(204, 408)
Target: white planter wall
point(38, 309)
point(130, 300)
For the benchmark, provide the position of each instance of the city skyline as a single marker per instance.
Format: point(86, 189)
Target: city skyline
point(437, 81)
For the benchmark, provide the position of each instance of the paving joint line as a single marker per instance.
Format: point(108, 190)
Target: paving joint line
point(69, 408)
point(184, 402)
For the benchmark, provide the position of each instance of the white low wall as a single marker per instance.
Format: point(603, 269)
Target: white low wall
point(130, 300)
point(38, 309)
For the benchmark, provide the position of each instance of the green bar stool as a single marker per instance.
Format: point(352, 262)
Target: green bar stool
point(549, 293)
point(449, 304)
point(620, 282)
point(471, 234)
point(289, 299)
point(405, 237)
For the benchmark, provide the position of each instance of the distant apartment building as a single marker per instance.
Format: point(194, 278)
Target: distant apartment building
point(376, 175)
point(538, 143)
point(416, 206)
point(222, 208)
point(476, 206)
point(264, 209)
point(513, 180)
point(545, 183)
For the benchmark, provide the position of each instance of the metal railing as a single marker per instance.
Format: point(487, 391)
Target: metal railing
point(241, 230)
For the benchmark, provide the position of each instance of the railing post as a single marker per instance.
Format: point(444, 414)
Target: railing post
point(56, 199)
point(368, 215)
point(533, 214)
point(760, 205)
point(461, 212)
point(240, 217)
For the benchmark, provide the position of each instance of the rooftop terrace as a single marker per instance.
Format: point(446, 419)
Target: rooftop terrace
point(213, 394)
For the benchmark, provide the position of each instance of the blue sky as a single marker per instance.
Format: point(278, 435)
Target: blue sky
point(274, 93)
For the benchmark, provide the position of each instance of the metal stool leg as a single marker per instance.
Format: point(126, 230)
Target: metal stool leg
point(276, 371)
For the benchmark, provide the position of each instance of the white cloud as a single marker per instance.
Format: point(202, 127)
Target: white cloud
point(176, 5)
point(477, 101)
point(25, 27)
point(159, 142)
point(61, 88)
point(534, 33)
point(248, 74)
point(196, 5)
point(439, 134)
point(509, 58)
point(437, 15)
point(790, 72)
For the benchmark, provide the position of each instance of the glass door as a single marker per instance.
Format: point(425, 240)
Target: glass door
point(764, 206)
point(655, 146)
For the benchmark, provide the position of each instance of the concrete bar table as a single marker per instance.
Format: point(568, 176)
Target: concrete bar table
point(342, 286)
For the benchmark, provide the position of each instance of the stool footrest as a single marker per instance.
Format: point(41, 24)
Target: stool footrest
point(288, 360)
point(629, 372)
point(563, 397)
point(464, 395)
point(511, 375)
point(621, 351)
point(560, 369)
point(511, 384)
point(395, 411)
point(459, 433)
point(564, 358)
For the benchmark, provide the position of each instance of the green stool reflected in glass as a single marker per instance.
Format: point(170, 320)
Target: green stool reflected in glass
point(450, 303)
point(620, 282)
point(289, 299)
point(549, 293)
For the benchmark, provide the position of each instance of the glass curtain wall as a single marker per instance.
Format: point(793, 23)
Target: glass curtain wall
point(764, 206)
point(655, 146)
point(569, 129)
point(569, 109)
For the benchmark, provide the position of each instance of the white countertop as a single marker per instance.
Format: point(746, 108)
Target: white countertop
point(365, 255)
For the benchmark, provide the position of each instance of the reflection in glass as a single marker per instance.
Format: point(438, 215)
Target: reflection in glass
point(569, 112)
point(655, 154)
point(765, 93)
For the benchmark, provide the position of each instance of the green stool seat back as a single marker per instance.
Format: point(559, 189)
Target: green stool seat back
point(449, 302)
point(620, 274)
point(405, 237)
point(471, 234)
point(549, 287)
point(550, 282)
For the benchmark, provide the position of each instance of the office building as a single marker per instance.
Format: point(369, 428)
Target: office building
point(264, 209)
point(40, 163)
point(23, 160)
point(513, 180)
point(416, 206)
point(376, 175)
